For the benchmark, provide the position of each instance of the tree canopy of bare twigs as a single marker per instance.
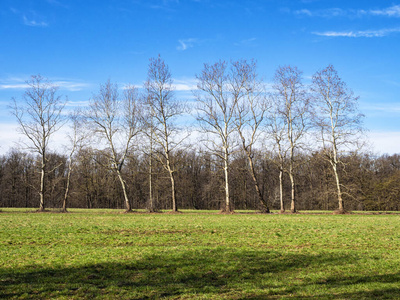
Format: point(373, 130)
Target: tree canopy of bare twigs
point(76, 138)
point(162, 112)
point(250, 116)
point(116, 123)
point(291, 121)
point(39, 116)
point(338, 119)
point(221, 86)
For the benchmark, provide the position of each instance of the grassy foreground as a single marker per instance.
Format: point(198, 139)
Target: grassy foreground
point(104, 254)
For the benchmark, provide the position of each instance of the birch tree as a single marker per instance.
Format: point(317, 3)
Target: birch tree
point(276, 131)
point(219, 91)
point(338, 120)
point(163, 110)
point(250, 116)
point(116, 123)
point(39, 116)
point(76, 138)
point(293, 107)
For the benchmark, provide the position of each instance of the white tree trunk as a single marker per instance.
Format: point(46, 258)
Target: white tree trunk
point(228, 207)
point(293, 196)
point(339, 191)
point(281, 190)
point(42, 181)
point(123, 185)
point(66, 194)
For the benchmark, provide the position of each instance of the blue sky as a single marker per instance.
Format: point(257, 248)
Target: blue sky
point(80, 44)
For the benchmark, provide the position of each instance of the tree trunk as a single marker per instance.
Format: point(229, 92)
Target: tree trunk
point(123, 185)
point(228, 207)
point(256, 185)
point(339, 192)
point(151, 201)
point(42, 183)
point(281, 190)
point(173, 192)
point(64, 207)
point(293, 202)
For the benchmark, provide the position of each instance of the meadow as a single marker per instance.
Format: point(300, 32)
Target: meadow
point(105, 254)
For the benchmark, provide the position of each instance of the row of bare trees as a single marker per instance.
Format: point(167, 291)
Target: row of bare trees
point(369, 182)
point(237, 114)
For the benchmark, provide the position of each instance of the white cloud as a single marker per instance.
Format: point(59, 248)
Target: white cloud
point(382, 107)
point(57, 3)
point(21, 83)
point(360, 33)
point(246, 42)
point(385, 142)
point(34, 23)
point(185, 44)
point(185, 84)
point(391, 82)
point(31, 20)
point(323, 13)
point(393, 11)
point(77, 104)
point(304, 12)
point(188, 84)
point(13, 86)
point(71, 85)
point(9, 136)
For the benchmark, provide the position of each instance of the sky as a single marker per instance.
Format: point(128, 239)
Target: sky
point(79, 45)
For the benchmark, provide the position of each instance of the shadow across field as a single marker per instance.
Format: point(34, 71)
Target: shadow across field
point(213, 273)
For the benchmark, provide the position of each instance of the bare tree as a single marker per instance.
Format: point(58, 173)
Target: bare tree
point(116, 123)
point(163, 110)
point(148, 150)
point(220, 90)
point(39, 116)
point(151, 204)
point(276, 130)
point(293, 107)
point(76, 138)
point(250, 113)
point(337, 118)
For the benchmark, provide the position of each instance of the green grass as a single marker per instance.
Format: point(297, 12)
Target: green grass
point(105, 254)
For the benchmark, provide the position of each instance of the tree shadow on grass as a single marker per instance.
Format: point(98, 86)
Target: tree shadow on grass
point(212, 273)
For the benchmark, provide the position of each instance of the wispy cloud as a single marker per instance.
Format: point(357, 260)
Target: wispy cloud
point(16, 83)
point(323, 13)
point(56, 3)
point(304, 12)
point(394, 83)
point(185, 84)
point(387, 108)
point(359, 33)
point(385, 142)
point(179, 85)
point(185, 44)
point(71, 85)
point(246, 42)
point(34, 23)
point(77, 104)
point(32, 20)
point(165, 5)
point(13, 86)
point(393, 11)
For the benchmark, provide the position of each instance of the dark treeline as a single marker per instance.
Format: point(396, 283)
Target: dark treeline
point(289, 147)
point(370, 182)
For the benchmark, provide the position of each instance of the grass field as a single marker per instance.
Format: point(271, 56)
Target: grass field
point(198, 255)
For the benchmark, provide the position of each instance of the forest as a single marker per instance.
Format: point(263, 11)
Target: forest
point(286, 146)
